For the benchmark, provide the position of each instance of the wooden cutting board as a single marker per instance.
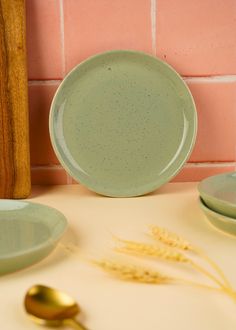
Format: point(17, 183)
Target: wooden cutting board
point(14, 127)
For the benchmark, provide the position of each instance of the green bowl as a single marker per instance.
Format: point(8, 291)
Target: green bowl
point(28, 233)
point(219, 193)
point(226, 224)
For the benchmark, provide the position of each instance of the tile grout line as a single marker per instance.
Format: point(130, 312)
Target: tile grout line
point(69, 179)
point(46, 167)
point(209, 164)
point(235, 138)
point(44, 82)
point(222, 78)
point(235, 154)
point(153, 26)
point(188, 165)
point(54, 167)
point(62, 28)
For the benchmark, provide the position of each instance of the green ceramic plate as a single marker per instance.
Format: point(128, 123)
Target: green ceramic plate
point(28, 233)
point(123, 123)
point(219, 193)
point(220, 221)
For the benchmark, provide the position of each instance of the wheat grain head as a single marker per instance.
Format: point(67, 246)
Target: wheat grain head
point(169, 238)
point(150, 250)
point(132, 272)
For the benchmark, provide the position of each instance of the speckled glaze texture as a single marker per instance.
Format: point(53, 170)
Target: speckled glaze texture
point(28, 233)
point(123, 123)
point(219, 193)
point(225, 224)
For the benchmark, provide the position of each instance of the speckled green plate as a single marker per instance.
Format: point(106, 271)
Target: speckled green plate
point(28, 233)
point(219, 193)
point(123, 123)
point(226, 224)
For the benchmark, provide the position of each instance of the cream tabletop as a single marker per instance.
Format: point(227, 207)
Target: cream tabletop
point(108, 303)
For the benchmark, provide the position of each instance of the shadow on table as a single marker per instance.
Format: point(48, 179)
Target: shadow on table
point(173, 188)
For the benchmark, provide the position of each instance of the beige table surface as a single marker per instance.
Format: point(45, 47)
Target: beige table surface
point(108, 303)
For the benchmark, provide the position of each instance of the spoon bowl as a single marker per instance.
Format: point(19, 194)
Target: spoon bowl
point(50, 307)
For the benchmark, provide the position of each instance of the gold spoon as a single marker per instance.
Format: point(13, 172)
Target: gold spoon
point(50, 307)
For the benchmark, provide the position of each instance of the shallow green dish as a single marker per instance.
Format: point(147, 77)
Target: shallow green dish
point(220, 221)
point(219, 193)
point(28, 233)
point(123, 123)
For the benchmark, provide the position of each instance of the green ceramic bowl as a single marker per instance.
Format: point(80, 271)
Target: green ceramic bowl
point(219, 193)
point(28, 233)
point(123, 123)
point(226, 224)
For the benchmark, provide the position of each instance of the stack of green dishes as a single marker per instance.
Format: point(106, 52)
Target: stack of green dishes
point(218, 201)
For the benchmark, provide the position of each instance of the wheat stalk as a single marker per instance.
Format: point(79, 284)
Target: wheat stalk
point(69, 247)
point(169, 238)
point(214, 266)
point(175, 241)
point(150, 250)
point(141, 249)
point(140, 274)
point(132, 272)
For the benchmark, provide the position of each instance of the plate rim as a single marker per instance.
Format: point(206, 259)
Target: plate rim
point(221, 217)
point(160, 182)
point(216, 199)
point(44, 244)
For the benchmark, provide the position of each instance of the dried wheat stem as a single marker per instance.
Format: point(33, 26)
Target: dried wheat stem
point(214, 265)
point(209, 275)
point(192, 283)
point(69, 247)
point(166, 237)
point(150, 250)
point(132, 273)
point(145, 275)
point(141, 249)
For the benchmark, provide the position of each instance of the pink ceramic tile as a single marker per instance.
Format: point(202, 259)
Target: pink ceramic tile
point(193, 172)
point(44, 39)
point(197, 37)
point(48, 175)
point(40, 97)
point(216, 107)
point(95, 26)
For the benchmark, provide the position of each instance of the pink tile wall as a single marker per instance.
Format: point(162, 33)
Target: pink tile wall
point(96, 26)
point(216, 105)
point(40, 97)
point(44, 39)
point(196, 37)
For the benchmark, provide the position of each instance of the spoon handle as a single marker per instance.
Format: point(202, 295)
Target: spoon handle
point(74, 324)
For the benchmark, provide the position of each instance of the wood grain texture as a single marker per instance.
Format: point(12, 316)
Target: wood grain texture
point(14, 126)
